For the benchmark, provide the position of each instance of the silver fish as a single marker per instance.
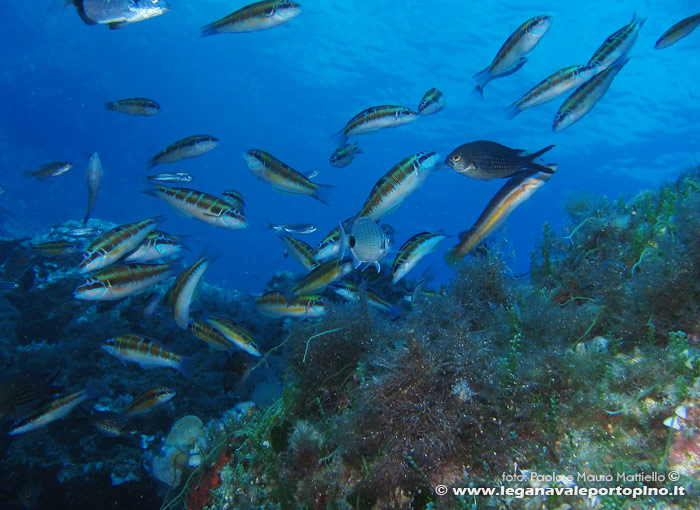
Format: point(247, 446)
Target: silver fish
point(189, 147)
point(94, 179)
point(296, 228)
point(678, 32)
point(84, 232)
point(367, 242)
point(175, 177)
point(118, 13)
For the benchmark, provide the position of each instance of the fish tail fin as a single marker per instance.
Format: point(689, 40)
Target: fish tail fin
point(452, 257)
point(186, 367)
point(513, 110)
point(358, 150)
point(27, 174)
point(637, 19)
point(548, 169)
point(86, 219)
point(478, 92)
point(110, 106)
point(151, 163)
point(537, 154)
point(340, 138)
point(482, 78)
point(210, 29)
point(322, 193)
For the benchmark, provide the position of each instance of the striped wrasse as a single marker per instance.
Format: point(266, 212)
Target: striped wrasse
point(234, 198)
point(146, 352)
point(210, 335)
point(513, 193)
point(282, 177)
point(117, 282)
point(189, 147)
point(402, 180)
point(275, 304)
point(352, 293)
point(510, 57)
point(94, 180)
point(433, 101)
point(322, 276)
point(201, 206)
point(254, 17)
point(156, 245)
point(344, 155)
point(376, 118)
point(54, 248)
point(134, 106)
point(678, 32)
point(330, 244)
point(298, 249)
point(184, 288)
point(114, 244)
point(49, 170)
point(553, 86)
point(237, 335)
point(413, 251)
point(618, 44)
point(51, 411)
point(148, 400)
point(584, 98)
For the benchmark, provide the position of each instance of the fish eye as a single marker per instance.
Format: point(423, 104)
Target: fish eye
point(456, 158)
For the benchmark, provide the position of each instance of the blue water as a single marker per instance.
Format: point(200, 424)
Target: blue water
point(287, 90)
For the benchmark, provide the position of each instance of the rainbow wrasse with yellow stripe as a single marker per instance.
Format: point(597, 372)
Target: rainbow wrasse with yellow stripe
point(51, 411)
point(376, 118)
point(584, 98)
point(402, 180)
point(322, 276)
point(146, 352)
point(156, 246)
point(210, 335)
point(54, 248)
point(282, 177)
point(184, 288)
point(618, 44)
point(117, 282)
point(298, 249)
point(201, 206)
point(134, 106)
point(513, 193)
point(276, 304)
point(236, 334)
point(148, 399)
point(254, 17)
point(678, 31)
point(189, 147)
point(413, 251)
point(114, 244)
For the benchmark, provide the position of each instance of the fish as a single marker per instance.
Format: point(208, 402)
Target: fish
point(184, 288)
point(255, 17)
point(678, 31)
point(510, 57)
point(353, 294)
point(234, 198)
point(117, 282)
point(513, 193)
point(236, 334)
point(276, 304)
point(375, 118)
point(486, 160)
point(329, 246)
point(201, 206)
point(344, 155)
point(584, 98)
point(402, 180)
point(367, 242)
point(282, 177)
point(151, 304)
point(212, 336)
point(433, 101)
point(110, 424)
point(54, 248)
point(94, 179)
point(296, 228)
point(173, 177)
point(134, 106)
point(323, 275)
point(147, 353)
point(22, 393)
point(51, 411)
point(49, 170)
point(114, 244)
point(299, 250)
point(189, 147)
point(84, 232)
point(118, 13)
point(413, 251)
point(618, 44)
point(156, 246)
point(554, 86)
point(5, 285)
point(148, 399)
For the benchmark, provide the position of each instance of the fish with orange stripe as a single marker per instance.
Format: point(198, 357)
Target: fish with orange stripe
point(184, 288)
point(114, 244)
point(210, 335)
point(403, 179)
point(236, 334)
point(147, 353)
point(147, 400)
point(513, 193)
point(282, 177)
point(618, 44)
point(257, 16)
point(201, 206)
point(298, 249)
point(375, 118)
point(276, 304)
point(157, 245)
point(117, 282)
point(52, 411)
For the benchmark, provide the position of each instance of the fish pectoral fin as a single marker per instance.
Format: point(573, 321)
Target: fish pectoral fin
point(118, 24)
